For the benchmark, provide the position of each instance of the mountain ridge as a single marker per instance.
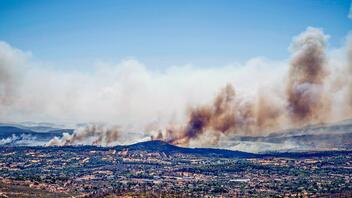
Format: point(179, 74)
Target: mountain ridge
point(161, 147)
point(333, 136)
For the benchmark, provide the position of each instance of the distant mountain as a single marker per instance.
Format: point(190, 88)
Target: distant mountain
point(160, 146)
point(163, 147)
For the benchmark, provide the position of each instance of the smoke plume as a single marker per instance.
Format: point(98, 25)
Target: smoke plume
point(228, 114)
point(94, 134)
point(305, 100)
point(11, 60)
point(305, 87)
point(349, 74)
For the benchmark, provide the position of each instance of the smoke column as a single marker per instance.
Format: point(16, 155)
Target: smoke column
point(227, 114)
point(305, 88)
point(95, 134)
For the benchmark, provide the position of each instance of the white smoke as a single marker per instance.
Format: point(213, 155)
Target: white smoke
point(130, 95)
point(127, 94)
point(22, 140)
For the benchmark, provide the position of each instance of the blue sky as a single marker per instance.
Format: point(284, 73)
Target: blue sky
point(75, 34)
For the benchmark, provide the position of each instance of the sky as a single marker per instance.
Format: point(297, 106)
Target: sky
point(75, 35)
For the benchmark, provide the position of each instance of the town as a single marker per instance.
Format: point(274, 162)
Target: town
point(89, 171)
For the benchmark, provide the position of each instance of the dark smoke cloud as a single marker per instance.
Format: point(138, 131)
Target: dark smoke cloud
point(305, 87)
point(219, 116)
point(227, 114)
point(95, 134)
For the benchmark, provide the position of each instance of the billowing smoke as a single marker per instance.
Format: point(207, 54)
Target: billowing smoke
point(304, 100)
point(220, 116)
point(177, 104)
point(93, 134)
point(227, 114)
point(11, 60)
point(305, 88)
